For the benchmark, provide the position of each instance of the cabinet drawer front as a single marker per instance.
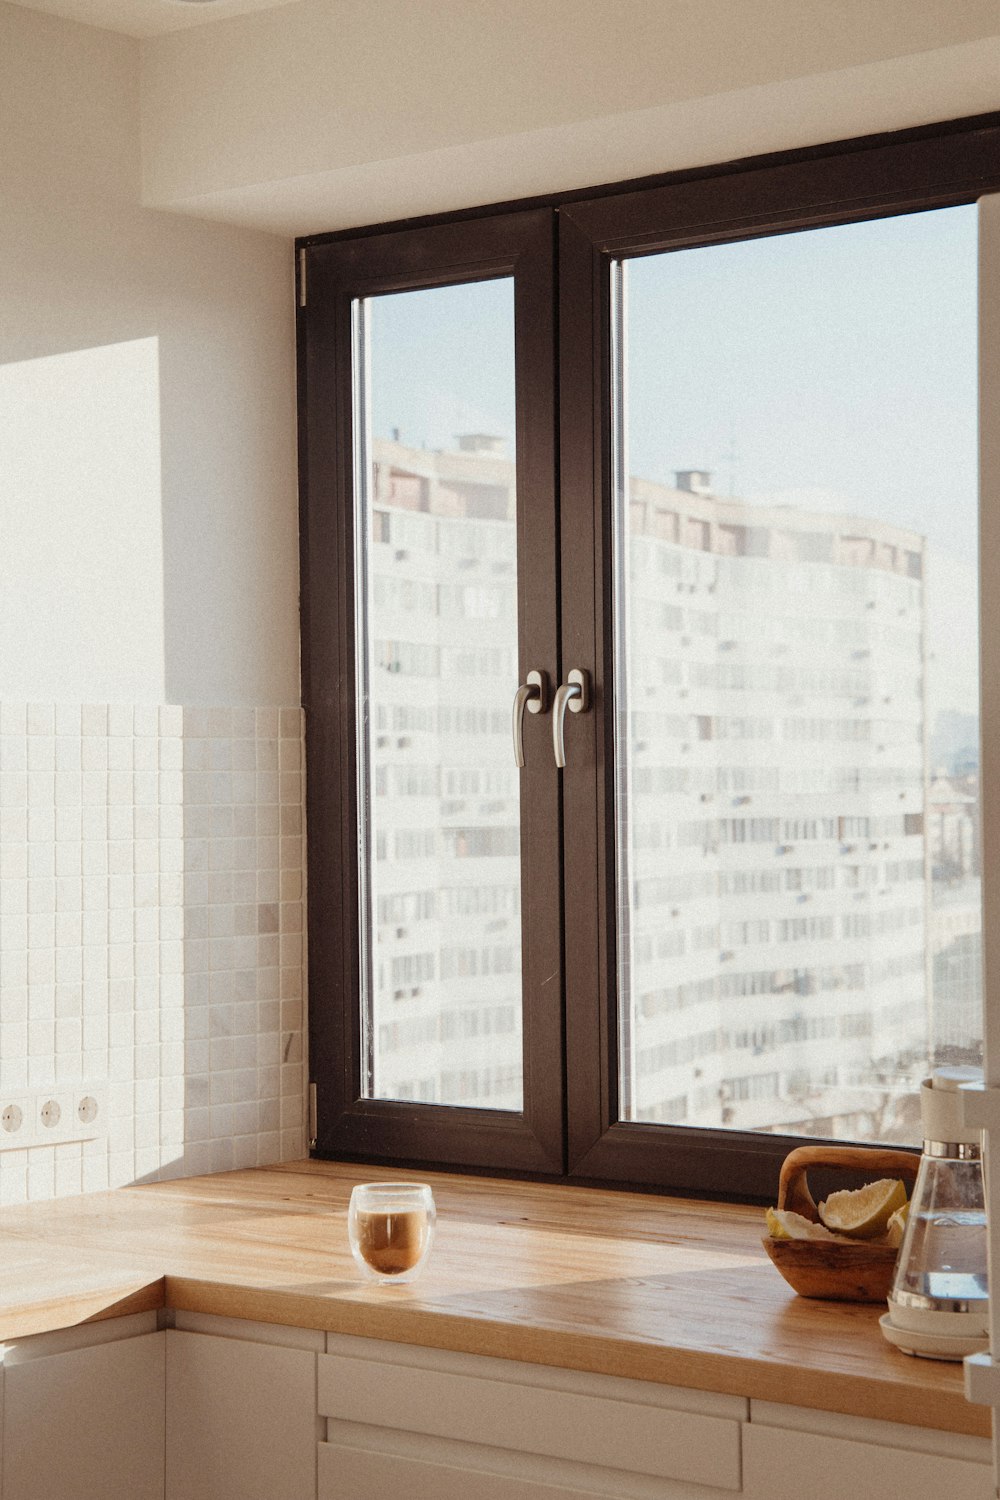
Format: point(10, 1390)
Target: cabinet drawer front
point(779, 1464)
point(557, 1424)
point(347, 1472)
point(364, 1475)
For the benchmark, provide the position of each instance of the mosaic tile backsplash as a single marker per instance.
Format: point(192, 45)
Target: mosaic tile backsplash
point(151, 936)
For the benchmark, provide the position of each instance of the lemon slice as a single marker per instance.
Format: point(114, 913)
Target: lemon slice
point(864, 1213)
point(896, 1227)
point(782, 1224)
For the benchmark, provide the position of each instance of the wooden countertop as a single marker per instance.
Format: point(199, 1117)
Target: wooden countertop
point(658, 1289)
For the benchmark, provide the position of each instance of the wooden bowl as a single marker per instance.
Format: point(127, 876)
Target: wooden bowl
point(848, 1271)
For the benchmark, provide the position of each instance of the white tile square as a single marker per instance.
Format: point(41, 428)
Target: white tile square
point(95, 1173)
point(94, 719)
point(69, 859)
point(68, 752)
point(268, 1149)
point(147, 1163)
point(12, 718)
point(147, 1061)
point(197, 1158)
point(243, 787)
point(172, 1094)
point(120, 789)
point(146, 822)
point(146, 890)
point(147, 785)
point(119, 822)
point(145, 754)
point(120, 960)
point(147, 924)
point(146, 958)
point(13, 753)
point(95, 927)
point(120, 719)
point(244, 1075)
point(96, 1033)
point(268, 756)
point(171, 754)
point(172, 1060)
point(146, 990)
point(41, 718)
point(93, 753)
point(220, 1062)
point(41, 753)
point(290, 755)
point(172, 1026)
point(121, 894)
point(146, 720)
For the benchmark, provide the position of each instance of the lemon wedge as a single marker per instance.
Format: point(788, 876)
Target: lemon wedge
point(865, 1212)
point(896, 1227)
point(782, 1224)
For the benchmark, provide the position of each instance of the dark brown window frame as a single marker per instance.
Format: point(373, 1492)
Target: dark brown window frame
point(350, 1125)
point(932, 167)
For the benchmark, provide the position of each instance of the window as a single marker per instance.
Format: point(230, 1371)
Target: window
point(735, 916)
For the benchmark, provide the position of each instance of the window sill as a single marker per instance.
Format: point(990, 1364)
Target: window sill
point(665, 1290)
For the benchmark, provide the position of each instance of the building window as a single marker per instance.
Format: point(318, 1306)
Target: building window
point(765, 837)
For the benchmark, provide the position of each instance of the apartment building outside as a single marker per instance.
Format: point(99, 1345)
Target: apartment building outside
point(780, 944)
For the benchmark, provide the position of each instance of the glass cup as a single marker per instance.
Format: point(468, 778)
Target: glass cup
point(391, 1226)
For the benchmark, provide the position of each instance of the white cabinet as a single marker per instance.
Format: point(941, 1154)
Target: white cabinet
point(449, 1425)
point(241, 1419)
point(85, 1424)
point(789, 1452)
point(219, 1409)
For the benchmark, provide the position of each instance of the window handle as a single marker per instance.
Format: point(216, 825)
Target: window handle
point(574, 695)
point(533, 694)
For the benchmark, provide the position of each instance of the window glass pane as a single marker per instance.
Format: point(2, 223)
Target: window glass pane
point(797, 701)
point(437, 671)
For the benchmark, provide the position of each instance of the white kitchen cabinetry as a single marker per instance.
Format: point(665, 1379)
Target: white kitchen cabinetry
point(789, 1451)
point(221, 1409)
point(241, 1418)
point(450, 1425)
point(85, 1423)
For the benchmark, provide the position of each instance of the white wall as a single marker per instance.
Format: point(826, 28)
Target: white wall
point(148, 534)
point(330, 113)
point(151, 837)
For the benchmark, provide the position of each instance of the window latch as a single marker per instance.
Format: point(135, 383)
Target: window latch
point(533, 694)
point(574, 694)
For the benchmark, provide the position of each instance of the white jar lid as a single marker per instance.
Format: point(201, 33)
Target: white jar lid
point(941, 1105)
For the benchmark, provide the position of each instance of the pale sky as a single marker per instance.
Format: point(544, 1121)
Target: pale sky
point(832, 368)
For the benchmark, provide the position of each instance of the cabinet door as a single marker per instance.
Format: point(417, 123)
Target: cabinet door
point(241, 1420)
point(631, 1436)
point(87, 1424)
point(779, 1464)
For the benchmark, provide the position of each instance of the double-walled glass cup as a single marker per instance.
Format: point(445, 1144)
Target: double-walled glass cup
point(391, 1227)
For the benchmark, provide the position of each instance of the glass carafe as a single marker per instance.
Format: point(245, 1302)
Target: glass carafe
point(939, 1298)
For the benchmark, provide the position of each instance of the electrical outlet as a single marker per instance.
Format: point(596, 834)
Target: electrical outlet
point(87, 1109)
point(87, 1113)
point(53, 1117)
point(15, 1126)
point(50, 1112)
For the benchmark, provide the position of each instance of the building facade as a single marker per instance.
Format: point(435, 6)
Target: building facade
point(775, 876)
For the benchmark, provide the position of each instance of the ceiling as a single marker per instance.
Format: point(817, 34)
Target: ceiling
point(143, 18)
